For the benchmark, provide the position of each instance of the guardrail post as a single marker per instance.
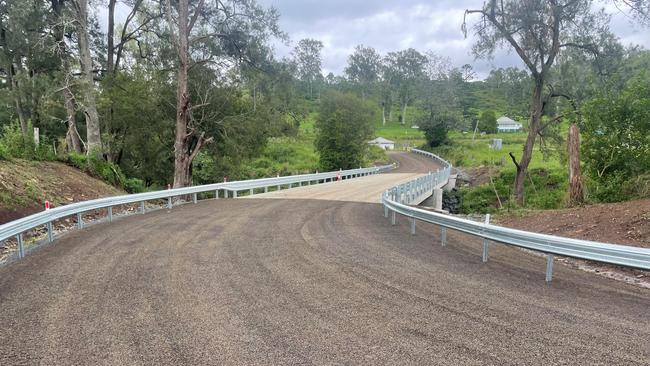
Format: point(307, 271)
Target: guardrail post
point(278, 188)
point(266, 189)
point(169, 203)
point(80, 221)
point(50, 234)
point(443, 236)
point(216, 194)
point(412, 225)
point(549, 268)
point(194, 198)
point(486, 243)
point(142, 209)
point(110, 213)
point(393, 219)
point(21, 249)
point(385, 212)
point(251, 192)
point(234, 194)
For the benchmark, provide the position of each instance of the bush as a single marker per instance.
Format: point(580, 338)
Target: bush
point(436, 127)
point(344, 126)
point(4, 152)
point(488, 122)
point(13, 144)
point(134, 185)
point(99, 168)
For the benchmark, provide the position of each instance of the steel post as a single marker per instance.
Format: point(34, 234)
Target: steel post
point(80, 221)
point(393, 219)
point(21, 249)
point(486, 243)
point(549, 268)
point(412, 225)
point(50, 233)
point(195, 198)
point(169, 203)
point(110, 214)
point(142, 209)
point(443, 236)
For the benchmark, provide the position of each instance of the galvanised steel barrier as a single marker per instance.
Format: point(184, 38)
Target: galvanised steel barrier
point(399, 200)
point(15, 229)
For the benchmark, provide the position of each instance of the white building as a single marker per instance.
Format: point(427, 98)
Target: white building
point(505, 124)
point(383, 143)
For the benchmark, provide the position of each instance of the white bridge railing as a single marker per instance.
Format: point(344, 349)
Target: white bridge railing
point(16, 229)
point(399, 200)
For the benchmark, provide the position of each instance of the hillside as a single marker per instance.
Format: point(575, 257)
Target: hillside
point(26, 185)
point(621, 223)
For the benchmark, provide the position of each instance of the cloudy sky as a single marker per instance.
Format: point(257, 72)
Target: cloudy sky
point(390, 25)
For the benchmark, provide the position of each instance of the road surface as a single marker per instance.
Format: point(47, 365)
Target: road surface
point(304, 281)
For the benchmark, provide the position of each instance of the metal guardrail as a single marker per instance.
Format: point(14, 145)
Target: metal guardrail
point(18, 227)
point(397, 200)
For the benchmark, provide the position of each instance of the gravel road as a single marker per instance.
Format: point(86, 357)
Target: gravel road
point(304, 281)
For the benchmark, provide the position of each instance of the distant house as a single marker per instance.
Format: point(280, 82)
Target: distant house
point(383, 143)
point(505, 124)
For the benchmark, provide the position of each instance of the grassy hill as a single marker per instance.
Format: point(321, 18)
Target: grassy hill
point(26, 185)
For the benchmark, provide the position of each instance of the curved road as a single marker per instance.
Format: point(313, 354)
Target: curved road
point(265, 281)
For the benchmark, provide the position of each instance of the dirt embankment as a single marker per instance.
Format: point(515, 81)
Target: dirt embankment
point(619, 223)
point(26, 185)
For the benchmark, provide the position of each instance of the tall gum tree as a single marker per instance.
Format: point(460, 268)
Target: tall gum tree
point(537, 30)
point(87, 80)
point(219, 34)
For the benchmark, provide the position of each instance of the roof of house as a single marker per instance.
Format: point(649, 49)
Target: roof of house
point(381, 140)
point(502, 121)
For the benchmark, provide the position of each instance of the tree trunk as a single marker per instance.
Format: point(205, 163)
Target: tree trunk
point(404, 112)
point(533, 129)
point(72, 135)
point(93, 135)
point(383, 115)
point(110, 36)
point(35, 115)
point(18, 103)
point(576, 195)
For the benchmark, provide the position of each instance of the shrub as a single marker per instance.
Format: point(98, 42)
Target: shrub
point(134, 185)
point(99, 168)
point(488, 122)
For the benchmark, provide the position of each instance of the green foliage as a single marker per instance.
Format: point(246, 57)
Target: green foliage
point(375, 155)
point(546, 191)
point(436, 127)
point(134, 185)
point(616, 143)
point(99, 168)
point(488, 122)
point(344, 126)
point(13, 144)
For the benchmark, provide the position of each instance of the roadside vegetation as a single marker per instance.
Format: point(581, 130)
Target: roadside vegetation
point(141, 107)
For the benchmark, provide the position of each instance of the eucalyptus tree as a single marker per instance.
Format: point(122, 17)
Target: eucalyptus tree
point(308, 59)
point(405, 69)
point(538, 31)
point(220, 35)
point(17, 39)
point(364, 67)
point(87, 80)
